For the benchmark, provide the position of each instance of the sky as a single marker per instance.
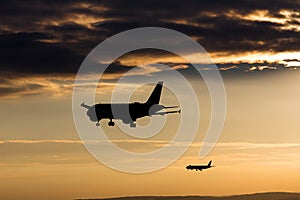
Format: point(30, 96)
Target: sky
point(255, 45)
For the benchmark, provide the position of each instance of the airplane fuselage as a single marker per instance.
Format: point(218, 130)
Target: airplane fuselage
point(126, 112)
point(197, 167)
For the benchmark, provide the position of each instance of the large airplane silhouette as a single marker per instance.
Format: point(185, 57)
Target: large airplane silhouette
point(199, 167)
point(136, 109)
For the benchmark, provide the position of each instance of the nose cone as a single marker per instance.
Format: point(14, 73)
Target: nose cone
point(188, 167)
point(92, 114)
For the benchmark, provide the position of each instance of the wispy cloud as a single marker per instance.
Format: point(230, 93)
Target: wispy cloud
point(160, 143)
point(40, 141)
point(65, 152)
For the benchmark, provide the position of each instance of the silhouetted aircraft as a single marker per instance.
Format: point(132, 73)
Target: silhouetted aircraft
point(199, 167)
point(136, 109)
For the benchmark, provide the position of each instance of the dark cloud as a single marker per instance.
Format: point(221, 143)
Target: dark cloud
point(50, 37)
point(291, 60)
point(24, 53)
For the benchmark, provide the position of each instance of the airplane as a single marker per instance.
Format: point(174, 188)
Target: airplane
point(137, 110)
point(199, 167)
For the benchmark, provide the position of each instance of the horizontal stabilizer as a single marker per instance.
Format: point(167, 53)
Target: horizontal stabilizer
point(164, 113)
point(170, 106)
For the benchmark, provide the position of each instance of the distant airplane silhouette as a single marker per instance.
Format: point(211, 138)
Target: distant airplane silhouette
point(136, 109)
point(199, 167)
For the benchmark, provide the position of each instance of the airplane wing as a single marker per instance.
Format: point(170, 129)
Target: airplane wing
point(198, 168)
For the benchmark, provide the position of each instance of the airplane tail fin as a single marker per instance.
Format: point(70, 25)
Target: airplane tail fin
point(155, 95)
point(209, 164)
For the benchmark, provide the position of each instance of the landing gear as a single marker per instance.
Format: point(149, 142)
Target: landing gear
point(97, 124)
point(111, 123)
point(132, 125)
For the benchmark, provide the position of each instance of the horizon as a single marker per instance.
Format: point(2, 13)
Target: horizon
point(212, 196)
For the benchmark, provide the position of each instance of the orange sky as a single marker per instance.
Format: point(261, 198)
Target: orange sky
point(258, 150)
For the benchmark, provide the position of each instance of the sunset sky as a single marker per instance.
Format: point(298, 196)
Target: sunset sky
point(255, 45)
